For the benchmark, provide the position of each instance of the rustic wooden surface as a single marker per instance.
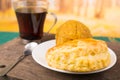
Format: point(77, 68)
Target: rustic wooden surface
point(28, 69)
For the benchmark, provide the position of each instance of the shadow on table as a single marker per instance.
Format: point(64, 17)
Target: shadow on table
point(9, 78)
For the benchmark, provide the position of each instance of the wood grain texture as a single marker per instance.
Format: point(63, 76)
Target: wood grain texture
point(28, 69)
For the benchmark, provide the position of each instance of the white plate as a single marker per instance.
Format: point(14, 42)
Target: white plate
point(39, 54)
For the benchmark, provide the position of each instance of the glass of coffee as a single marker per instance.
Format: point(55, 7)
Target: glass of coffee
point(31, 15)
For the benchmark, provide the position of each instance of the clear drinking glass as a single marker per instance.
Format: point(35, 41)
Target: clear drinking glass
point(31, 15)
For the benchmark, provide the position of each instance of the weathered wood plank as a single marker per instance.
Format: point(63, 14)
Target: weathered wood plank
point(28, 69)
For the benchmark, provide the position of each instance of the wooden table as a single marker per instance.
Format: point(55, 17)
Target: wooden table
point(28, 69)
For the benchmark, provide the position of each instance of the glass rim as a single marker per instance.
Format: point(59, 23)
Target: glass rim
point(18, 4)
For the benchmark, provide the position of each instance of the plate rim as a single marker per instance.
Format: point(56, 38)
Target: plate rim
point(112, 54)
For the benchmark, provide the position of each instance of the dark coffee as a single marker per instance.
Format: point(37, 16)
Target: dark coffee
point(31, 22)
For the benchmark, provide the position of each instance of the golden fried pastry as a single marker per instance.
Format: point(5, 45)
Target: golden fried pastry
point(79, 55)
point(71, 30)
